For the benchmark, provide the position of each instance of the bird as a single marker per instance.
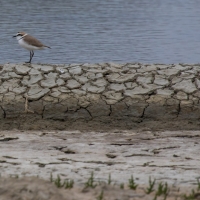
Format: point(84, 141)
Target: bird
point(30, 43)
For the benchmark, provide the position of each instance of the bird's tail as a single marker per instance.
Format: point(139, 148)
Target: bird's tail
point(47, 46)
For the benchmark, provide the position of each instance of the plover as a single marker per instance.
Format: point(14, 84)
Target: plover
point(30, 43)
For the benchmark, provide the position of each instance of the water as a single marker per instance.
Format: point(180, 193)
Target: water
point(78, 31)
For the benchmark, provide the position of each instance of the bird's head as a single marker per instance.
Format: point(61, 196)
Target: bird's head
point(20, 35)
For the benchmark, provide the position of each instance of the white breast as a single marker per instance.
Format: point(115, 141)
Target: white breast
point(27, 46)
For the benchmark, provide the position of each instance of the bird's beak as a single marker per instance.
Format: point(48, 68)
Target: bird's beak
point(14, 36)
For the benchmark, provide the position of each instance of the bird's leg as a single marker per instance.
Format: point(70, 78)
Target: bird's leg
point(29, 59)
point(31, 56)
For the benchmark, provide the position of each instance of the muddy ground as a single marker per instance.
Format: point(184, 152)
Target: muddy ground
point(30, 157)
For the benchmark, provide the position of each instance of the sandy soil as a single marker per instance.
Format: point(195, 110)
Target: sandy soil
point(167, 156)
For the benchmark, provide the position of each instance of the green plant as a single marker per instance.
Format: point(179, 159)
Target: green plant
point(100, 197)
point(90, 182)
point(69, 184)
point(122, 185)
point(109, 179)
point(58, 182)
point(151, 186)
point(51, 177)
point(132, 184)
point(162, 190)
point(198, 184)
point(190, 196)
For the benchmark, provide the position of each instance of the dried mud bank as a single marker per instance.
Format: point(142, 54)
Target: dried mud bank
point(107, 95)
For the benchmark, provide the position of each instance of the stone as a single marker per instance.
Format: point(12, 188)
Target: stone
point(176, 80)
point(113, 95)
point(60, 82)
point(187, 75)
point(101, 82)
point(197, 94)
point(98, 70)
point(133, 66)
point(65, 96)
point(83, 101)
point(61, 70)
point(93, 97)
point(148, 68)
point(73, 84)
point(10, 84)
point(171, 102)
point(65, 76)
point(3, 90)
point(19, 90)
point(47, 69)
point(5, 76)
point(55, 94)
point(144, 79)
point(181, 95)
point(165, 92)
point(94, 89)
point(33, 79)
point(141, 90)
point(36, 92)
point(159, 66)
point(34, 72)
point(168, 72)
point(22, 69)
point(186, 103)
point(76, 70)
point(159, 80)
point(81, 79)
point(51, 75)
point(186, 86)
point(197, 83)
point(78, 92)
point(8, 67)
point(48, 83)
point(14, 75)
point(64, 89)
point(158, 99)
point(131, 85)
point(135, 99)
point(117, 87)
point(120, 78)
point(93, 76)
point(47, 99)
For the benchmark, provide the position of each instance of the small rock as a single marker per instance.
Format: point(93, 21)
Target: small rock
point(73, 84)
point(186, 86)
point(22, 69)
point(76, 70)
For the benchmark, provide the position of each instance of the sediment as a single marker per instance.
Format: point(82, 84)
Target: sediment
point(107, 95)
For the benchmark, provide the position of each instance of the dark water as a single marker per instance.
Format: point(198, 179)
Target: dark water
point(79, 31)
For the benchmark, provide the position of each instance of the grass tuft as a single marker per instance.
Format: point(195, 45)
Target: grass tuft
point(132, 184)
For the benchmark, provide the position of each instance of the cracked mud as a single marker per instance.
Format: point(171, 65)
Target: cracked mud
point(99, 95)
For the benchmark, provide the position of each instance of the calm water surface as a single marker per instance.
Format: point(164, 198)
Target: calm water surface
point(79, 31)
